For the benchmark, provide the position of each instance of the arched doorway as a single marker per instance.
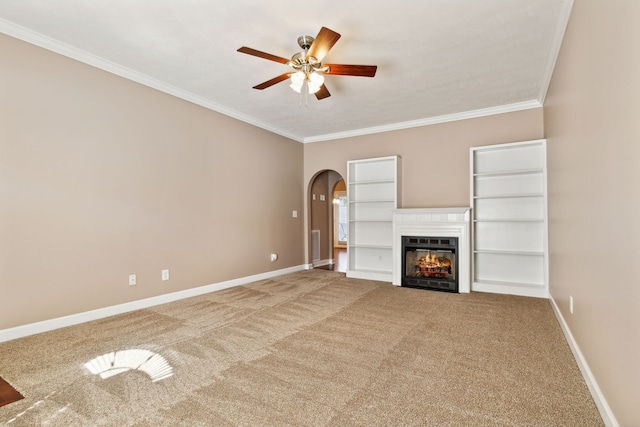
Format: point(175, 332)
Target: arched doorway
point(326, 249)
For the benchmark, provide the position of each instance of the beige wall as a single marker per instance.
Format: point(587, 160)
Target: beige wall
point(101, 177)
point(435, 159)
point(593, 131)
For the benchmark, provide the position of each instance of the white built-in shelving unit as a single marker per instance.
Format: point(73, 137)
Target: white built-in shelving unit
point(509, 201)
point(373, 190)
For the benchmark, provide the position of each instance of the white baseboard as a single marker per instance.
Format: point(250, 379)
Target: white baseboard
point(323, 262)
point(87, 316)
point(510, 289)
point(603, 407)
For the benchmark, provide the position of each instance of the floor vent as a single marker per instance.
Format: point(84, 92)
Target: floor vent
point(315, 245)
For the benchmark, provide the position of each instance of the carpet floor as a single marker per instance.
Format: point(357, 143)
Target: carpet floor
point(312, 348)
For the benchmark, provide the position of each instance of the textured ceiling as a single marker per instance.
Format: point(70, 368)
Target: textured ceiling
point(438, 60)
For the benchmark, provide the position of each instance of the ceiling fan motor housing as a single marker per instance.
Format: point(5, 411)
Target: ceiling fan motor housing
point(305, 42)
point(300, 61)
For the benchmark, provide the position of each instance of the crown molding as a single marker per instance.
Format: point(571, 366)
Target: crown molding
point(64, 49)
point(69, 51)
point(556, 44)
point(509, 108)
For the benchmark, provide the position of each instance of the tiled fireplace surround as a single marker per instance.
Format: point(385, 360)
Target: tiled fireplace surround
point(434, 222)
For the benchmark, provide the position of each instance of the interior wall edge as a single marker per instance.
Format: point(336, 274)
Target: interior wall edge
point(101, 313)
point(606, 413)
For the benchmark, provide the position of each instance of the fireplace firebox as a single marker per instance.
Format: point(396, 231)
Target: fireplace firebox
point(430, 263)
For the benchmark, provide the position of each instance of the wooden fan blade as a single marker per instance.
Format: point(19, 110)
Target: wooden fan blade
point(322, 93)
point(268, 83)
point(324, 41)
point(352, 70)
point(264, 55)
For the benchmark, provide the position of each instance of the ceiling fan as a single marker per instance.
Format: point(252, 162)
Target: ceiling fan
point(308, 71)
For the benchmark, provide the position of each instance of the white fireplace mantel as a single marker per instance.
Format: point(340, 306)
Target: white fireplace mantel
point(435, 222)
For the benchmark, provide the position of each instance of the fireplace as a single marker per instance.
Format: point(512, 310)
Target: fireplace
point(443, 224)
point(430, 262)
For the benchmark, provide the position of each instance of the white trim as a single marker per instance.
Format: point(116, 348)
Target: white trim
point(511, 288)
point(87, 316)
point(510, 108)
point(322, 262)
point(380, 276)
point(556, 44)
point(601, 403)
point(29, 36)
point(64, 49)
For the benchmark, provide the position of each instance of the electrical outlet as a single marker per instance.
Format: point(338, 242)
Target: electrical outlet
point(165, 274)
point(274, 257)
point(571, 304)
point(132, 279)
point(294, 214)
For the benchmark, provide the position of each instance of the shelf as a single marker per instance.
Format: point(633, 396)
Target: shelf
point(507, 252)
point(372, 201)
point(368, 274)
point(508, 186)
point(535, 290)
point(372, 187)
point(509, 196)
point(356, 245)
point(509, 220)
point(373, 181)
point(510, 172)
point(371, 270)
point(501, 283)
point(513, 208)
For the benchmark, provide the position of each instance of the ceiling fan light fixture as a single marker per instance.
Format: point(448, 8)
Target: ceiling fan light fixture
point(316, 80)
point(297, 80)
point(308, 72)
